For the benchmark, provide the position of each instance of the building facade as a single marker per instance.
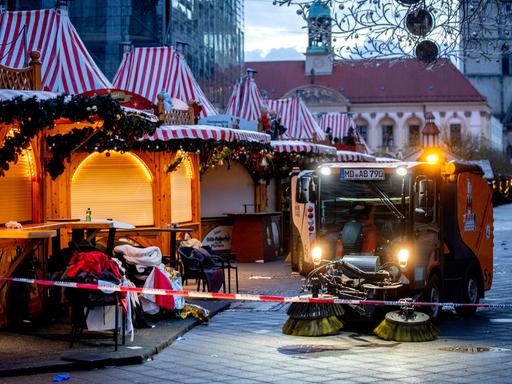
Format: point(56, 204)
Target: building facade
point(209, 32)
point(388, 99)
point(489, 68)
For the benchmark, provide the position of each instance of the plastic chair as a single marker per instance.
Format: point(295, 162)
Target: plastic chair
point(230, 262)
point(196, 268)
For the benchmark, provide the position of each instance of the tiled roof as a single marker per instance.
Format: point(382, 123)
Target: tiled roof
point(376, 81)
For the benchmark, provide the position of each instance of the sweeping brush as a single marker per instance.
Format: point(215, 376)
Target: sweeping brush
point(406, 325)
point(313, 319)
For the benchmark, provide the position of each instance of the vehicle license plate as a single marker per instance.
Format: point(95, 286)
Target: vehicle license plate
point(362, 174)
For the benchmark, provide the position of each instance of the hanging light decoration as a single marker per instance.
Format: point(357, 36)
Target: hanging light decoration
point(425, 29)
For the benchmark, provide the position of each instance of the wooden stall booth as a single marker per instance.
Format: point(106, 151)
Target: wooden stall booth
point(133, 186)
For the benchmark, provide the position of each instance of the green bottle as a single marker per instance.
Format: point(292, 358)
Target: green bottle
point(88, 214)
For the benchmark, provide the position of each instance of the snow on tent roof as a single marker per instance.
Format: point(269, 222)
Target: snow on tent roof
point(66, 63)
point(148, 71)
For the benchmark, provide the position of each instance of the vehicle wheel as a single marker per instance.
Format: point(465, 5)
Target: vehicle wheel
point(433, 295)
point(471, 289)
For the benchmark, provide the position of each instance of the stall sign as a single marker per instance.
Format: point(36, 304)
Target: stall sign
point(219, 238)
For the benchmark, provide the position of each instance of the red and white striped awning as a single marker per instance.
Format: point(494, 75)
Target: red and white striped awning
point(66, 64)
point(349, 156)
point(297, 118)
point(340, 123)
point(206, 132)
point(246, 100)
point(148, 71)
point(302, 146)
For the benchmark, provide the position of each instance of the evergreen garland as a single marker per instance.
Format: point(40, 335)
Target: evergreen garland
point(118, 130)
point(121, 132)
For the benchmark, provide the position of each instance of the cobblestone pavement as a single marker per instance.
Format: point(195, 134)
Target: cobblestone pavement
point(245, 345)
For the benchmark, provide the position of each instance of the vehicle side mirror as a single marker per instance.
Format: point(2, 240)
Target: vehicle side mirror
point(425, 205)
point(426, 194)
point(305, 189)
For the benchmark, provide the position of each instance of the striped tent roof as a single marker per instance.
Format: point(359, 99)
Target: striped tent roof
point(349, 156)
point(206, 132)
point(66, 64)
point(302, 146)
point(297, 118)
point(340, 123)
point(151, 70)
point(246, 100)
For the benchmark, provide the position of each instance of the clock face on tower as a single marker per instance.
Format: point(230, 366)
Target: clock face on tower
point(318, 62)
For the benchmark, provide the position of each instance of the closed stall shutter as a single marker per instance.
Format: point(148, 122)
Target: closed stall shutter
point(116, 187)
point(181, 193)
point(16, 191)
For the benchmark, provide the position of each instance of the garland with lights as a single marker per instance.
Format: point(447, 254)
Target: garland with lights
point(119, 132)
point(31, 116)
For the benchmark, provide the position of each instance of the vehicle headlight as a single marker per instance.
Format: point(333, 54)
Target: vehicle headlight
point(316, 255)
point(401, 171)
point(326, 171)
point(403, 257)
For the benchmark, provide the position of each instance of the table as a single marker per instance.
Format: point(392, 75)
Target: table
point(87, 230)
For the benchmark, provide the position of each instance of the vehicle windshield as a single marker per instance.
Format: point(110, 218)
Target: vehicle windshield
point(365, 205)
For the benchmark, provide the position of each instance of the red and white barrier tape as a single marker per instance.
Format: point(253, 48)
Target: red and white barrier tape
point(237, 296)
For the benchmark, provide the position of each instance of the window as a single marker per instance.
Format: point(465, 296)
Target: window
point(414, 135)
point(118, 186)
point(16, 190)
point(387, 135)
point(455, 133)
point(363, 131)
point(181, 193)
point(505, 60)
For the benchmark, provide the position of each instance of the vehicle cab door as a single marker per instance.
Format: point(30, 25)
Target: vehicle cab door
point(426, 230)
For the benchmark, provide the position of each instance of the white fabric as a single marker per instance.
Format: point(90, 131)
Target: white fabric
point(147, 257)
point(103, 318)
point(149, 301)
point(194, 243)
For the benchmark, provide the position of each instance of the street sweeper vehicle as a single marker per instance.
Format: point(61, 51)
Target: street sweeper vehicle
point(419, 231)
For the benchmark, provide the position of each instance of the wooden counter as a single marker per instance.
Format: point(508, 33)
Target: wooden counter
point(256, 236)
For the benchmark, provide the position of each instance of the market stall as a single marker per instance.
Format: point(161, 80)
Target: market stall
point(246, 100)
point(297, 119)
point(342, 125)
point(66, 64)
point(148, 71)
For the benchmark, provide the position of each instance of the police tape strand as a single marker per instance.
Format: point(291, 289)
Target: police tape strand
point(237, 296)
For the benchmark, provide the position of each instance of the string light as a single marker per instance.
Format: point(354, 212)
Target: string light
point(425, 29)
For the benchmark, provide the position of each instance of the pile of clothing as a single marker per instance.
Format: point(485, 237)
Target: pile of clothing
point(84, 263)
point(144, 267)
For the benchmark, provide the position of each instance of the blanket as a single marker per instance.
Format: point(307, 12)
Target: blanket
point(147, 257)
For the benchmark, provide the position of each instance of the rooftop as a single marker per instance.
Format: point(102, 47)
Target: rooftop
point(375, 81)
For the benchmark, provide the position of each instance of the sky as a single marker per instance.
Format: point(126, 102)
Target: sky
point(273, 32)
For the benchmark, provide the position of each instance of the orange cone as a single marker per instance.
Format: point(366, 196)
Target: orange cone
point(339, 248)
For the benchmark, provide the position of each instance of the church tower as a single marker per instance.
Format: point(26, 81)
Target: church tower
point(319, 57)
